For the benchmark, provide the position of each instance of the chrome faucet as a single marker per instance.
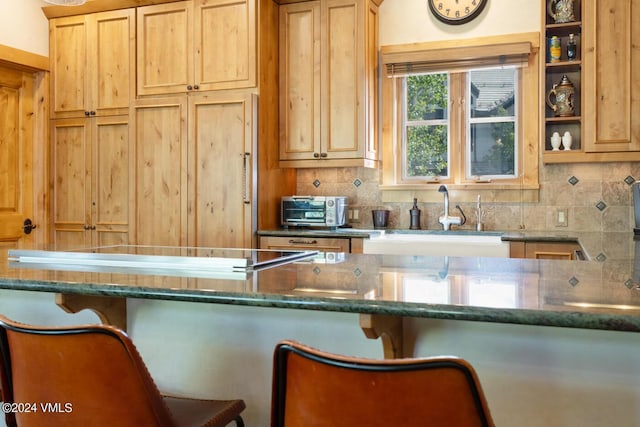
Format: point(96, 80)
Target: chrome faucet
point(447, 220)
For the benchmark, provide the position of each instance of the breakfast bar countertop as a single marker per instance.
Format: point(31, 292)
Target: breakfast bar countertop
point(584, 294)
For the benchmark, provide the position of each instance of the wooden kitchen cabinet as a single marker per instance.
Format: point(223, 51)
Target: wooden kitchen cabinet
point(611, 59)
point(91, 181)
point(196, 45)
point(606, 126)
point(92, 64)
point(328, 83)
point(545, 250)
point(195, 170)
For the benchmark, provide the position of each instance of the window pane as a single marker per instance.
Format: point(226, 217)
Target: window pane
point(492, 123)
point(427, 97)
point(426, 151)
point(492, 149)
point(426, 136)
point(492, 92)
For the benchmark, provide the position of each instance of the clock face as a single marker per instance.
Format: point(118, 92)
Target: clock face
point(456, 11)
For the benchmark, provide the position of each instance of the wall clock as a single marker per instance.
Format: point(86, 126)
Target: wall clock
point(456, 11)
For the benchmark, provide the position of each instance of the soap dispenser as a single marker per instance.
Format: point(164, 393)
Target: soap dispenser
point(415, 216)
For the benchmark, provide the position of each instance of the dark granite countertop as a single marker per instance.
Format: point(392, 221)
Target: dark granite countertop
point(513, 236)
point(590, 295)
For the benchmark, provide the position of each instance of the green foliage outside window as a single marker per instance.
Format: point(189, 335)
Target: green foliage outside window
point(426, 125)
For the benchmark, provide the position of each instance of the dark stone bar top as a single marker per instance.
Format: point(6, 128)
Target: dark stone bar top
point(576, 294)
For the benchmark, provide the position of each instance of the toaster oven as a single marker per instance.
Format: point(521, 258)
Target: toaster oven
point(317, 211)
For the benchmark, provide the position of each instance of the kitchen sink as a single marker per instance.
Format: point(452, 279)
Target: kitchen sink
point(438, 243)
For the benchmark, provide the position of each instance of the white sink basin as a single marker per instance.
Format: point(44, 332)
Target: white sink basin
point(439, 244)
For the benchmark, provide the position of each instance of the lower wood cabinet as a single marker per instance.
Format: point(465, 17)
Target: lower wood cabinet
point(195, 170)
point(545, 250)
point(91, 181)
point(322, 244)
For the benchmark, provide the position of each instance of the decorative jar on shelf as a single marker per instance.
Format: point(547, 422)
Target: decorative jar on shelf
point(556, 141)
point(561, 11)
point(563, 93)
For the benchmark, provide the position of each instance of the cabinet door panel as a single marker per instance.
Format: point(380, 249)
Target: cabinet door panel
point(299, 80)
point(68, 44)
point(225, 44)
point(160, 171)
point(112, 59)
point(342, 109)
point(111, 177)
point(165, 48)
point(71, 163)
point(610, 57)
point(221, 167)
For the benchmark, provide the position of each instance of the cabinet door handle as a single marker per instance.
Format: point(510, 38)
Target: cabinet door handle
point(245, 184)
point(303, 242)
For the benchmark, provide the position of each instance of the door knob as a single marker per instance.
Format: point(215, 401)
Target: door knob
point(28, 226)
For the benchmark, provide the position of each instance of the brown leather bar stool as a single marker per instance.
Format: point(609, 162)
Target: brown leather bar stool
point(312, 387)
point(91, 375)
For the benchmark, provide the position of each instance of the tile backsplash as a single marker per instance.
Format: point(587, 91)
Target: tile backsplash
point(597, 199)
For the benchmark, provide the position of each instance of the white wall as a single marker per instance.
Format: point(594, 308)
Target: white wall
point(410, 21)
point(23, 26)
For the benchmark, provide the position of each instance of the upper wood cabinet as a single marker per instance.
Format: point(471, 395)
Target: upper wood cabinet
point(92, 64)
point(610, 57)
point(196, 45)
point(607, 93)
point(328, 83)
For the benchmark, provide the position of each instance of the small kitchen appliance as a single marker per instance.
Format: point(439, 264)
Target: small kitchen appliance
point(315, 211)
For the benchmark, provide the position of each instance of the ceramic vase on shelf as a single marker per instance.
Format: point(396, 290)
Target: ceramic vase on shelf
point(561, 10)
point(566, 141)
point(562, 94)
point(556, 141)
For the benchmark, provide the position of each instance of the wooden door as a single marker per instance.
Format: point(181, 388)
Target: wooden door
point(165, 48)
point(610, 58)
point(68, 56)
point(222, 162)
point(16, 157)
point(159, 133)
point(111, 186)
point(111, 62)
point(300, 81)
point(225, 44)
point(343, 78)
point(71, 175)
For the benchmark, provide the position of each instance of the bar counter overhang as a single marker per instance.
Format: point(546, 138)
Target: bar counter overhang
point(380, 289)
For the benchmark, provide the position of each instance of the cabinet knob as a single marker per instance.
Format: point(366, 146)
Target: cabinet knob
point(189, 87)
point(316, 155)
point(196, 87)
point(323, 155)
point(86, 113)
point(93, 113)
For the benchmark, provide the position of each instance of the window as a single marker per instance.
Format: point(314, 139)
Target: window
point(465, 116)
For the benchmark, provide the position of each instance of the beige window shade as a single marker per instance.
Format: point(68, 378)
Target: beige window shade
point(401, 63)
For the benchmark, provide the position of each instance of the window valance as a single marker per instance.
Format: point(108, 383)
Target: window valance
point(400, 62)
